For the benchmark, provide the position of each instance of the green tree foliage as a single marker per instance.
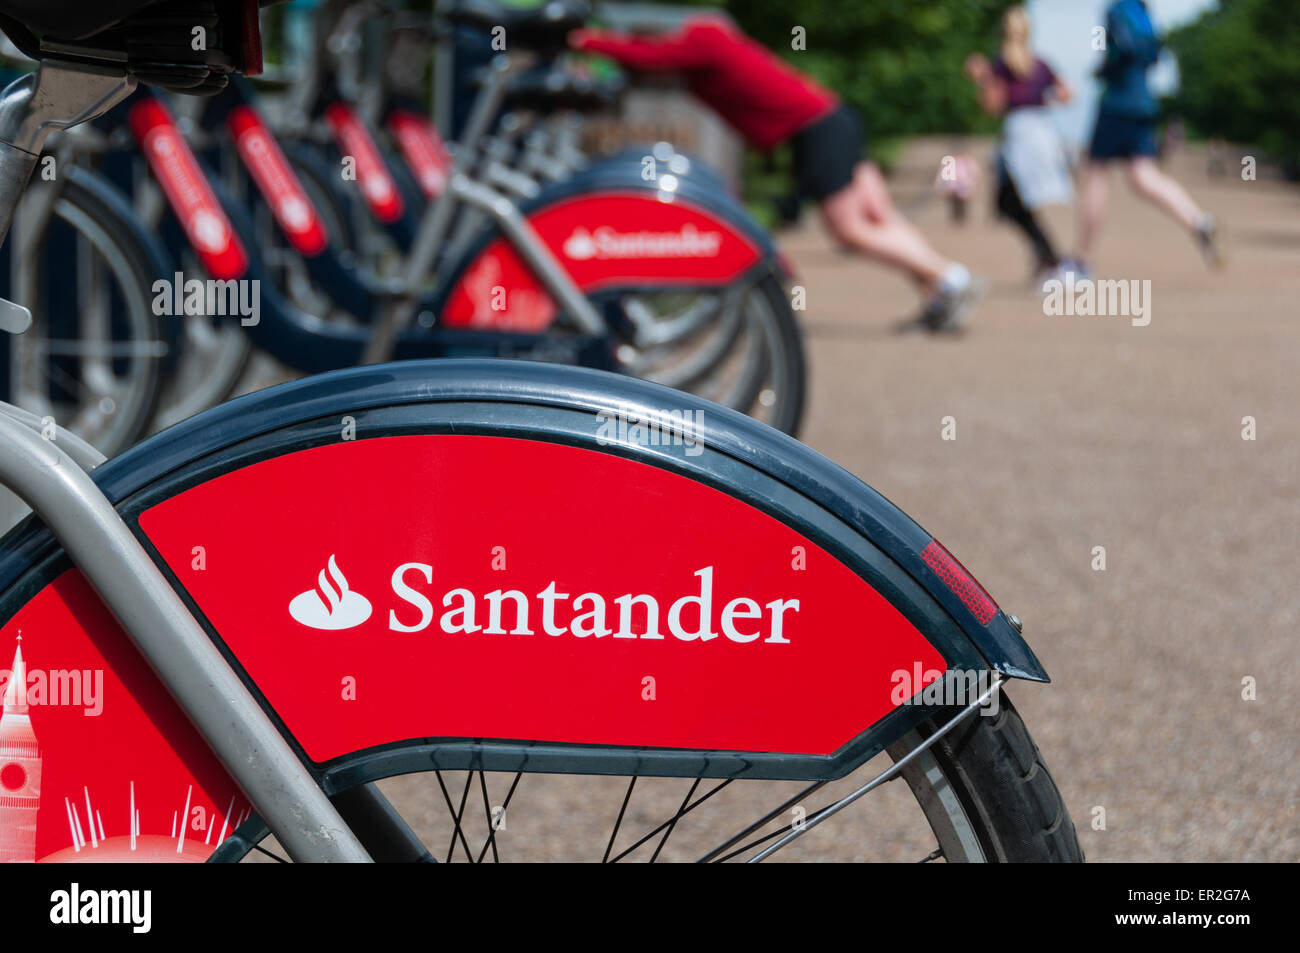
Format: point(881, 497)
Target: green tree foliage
point(1240, 75)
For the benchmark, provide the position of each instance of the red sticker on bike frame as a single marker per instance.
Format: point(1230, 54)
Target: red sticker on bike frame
point(355, 142)
point(602, 240)
point(187, 190)
point(423, 150)
point(97, 762)
point(277, 181)
point(483, 587)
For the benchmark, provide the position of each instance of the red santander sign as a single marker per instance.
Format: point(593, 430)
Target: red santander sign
point(517, 589)
point(603, 240)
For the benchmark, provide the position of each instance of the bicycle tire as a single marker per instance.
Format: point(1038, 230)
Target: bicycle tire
point(1007, 794)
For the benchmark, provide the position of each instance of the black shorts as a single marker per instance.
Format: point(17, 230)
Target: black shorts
point(826, 153)
point(1122, 137)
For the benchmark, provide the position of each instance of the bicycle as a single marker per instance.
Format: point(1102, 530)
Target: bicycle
point(299, 340)
point(182, 572)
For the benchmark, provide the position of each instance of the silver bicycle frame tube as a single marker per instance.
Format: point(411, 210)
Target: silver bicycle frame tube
point(82, 453)
point(437, 219)
point(103, 547)
point(536, 254)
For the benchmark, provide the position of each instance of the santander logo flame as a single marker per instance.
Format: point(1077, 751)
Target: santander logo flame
point(330, 607)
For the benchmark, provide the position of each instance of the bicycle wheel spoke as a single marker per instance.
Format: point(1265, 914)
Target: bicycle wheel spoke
point(785, 829)
point(492, 831)
point(885, 776)
point(680, 811)
point(276, 857)
point(455, 815)
point(487, 812)
point(673, 820)
point(754, 843)
point(785, 806)
point(619, 822)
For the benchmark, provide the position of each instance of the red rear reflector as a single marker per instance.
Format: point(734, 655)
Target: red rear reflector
point(962, 583)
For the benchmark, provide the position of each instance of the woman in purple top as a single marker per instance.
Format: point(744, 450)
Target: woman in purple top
point(1033, 165)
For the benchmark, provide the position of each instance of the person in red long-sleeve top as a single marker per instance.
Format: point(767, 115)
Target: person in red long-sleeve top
point(769, 102)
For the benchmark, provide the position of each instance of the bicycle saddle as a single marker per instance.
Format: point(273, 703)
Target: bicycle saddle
point(154, 39)
point(544, 26)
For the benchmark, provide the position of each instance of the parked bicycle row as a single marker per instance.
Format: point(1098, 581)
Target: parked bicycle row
point(340, 234)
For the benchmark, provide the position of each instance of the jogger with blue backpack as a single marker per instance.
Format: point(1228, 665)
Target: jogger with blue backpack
point(1125, 131)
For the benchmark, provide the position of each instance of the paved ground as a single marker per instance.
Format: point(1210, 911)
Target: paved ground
point(1077, 432)
point(1072, 433)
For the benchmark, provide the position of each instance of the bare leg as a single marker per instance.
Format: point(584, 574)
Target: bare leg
point(862, 217)
point(1163, 191)
point(1092, 206)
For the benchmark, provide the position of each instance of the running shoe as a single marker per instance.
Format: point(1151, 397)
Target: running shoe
point(949, 311)
point(1209, 239)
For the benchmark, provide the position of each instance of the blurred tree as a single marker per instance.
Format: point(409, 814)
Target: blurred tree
point(1240, 76)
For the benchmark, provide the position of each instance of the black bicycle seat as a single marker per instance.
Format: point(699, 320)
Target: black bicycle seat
point(546, 25)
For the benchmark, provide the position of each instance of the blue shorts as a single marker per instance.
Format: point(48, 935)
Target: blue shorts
point(1122, 137)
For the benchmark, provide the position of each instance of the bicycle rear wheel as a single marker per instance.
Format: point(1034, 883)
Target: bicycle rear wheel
point(492, 473)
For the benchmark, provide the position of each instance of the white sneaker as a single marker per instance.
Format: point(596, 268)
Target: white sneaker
point(949, 312)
